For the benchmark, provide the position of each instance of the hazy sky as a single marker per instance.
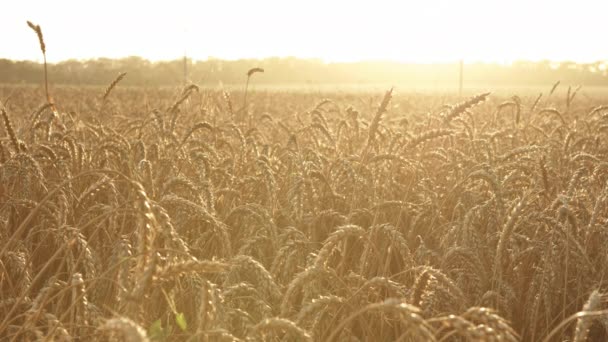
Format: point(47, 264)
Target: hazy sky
point(420, 31)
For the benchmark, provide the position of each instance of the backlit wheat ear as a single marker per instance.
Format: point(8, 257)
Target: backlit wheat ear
point(10, 130)
point(536, 102)
point(375, 124)
point(253, 71)
point(38, 31)
point(583, 324)
point(462, 107)
point(108, 90)
point(554, 87)
point(373, 128)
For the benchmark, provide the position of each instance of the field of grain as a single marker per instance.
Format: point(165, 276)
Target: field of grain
point(172, 215)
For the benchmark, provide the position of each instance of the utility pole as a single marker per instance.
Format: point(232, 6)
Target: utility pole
point(185, 68)
point(185, 56)
point(461, 77)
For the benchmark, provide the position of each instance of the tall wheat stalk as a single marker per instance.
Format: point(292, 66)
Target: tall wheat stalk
point(38, 32)
point(249, 74)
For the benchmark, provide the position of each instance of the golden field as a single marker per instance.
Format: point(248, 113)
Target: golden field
point(194, 214)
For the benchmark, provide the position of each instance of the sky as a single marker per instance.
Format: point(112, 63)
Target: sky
point(424, 31)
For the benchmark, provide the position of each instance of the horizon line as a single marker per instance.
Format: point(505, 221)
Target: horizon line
point(321, 60)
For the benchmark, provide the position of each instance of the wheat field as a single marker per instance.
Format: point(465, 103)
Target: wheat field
point(171, 215)
point(194, 214)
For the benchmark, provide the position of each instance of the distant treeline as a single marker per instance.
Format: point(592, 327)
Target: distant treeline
point(300, 71)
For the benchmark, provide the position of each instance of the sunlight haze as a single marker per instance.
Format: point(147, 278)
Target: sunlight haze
point(410, 31)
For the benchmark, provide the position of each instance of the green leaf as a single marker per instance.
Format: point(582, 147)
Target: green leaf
point(156, 331)
point(180, 319)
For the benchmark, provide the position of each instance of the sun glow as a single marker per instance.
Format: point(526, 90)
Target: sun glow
point(414, 31)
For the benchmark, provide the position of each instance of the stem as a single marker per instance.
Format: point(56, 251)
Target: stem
point(46, 81)
point(245, 97)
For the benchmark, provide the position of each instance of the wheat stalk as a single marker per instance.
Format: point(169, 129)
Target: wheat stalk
point(112, 85)
point(38, 31)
